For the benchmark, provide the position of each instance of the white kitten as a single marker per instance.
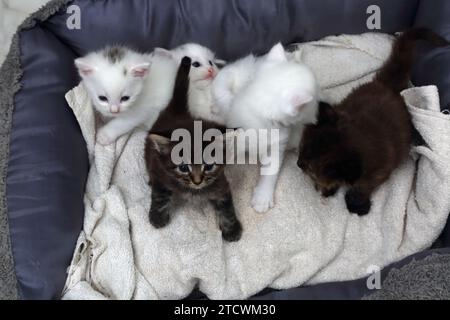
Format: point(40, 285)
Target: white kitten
point(124, 91)
point(230, 80)
point(279, 95)
point(203, 71)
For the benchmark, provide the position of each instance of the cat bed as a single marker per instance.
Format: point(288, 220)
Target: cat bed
point(304, 239)
point(43, 157)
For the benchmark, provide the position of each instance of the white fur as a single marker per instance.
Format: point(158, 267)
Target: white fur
point(201, 78)
point(230, 80)
point(268, 93)
point(148, 82)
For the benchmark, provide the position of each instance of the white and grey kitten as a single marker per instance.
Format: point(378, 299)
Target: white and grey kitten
point(205, 67)
point(127, 88)
point(268, 93)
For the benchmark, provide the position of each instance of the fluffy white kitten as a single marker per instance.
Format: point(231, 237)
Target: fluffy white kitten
point(127, 88)
point(269, 93)
point(205, 67)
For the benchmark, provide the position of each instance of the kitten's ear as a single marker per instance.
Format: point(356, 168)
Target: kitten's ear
point(160, 143)
point(163, 53)
point(84, 69)
point(277, 53)
point(140, 70)
point(298, 102)
point(220, 63)
point(327, 114)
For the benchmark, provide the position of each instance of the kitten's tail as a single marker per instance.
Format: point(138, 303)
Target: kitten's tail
point(396, 71)
point(179, 100)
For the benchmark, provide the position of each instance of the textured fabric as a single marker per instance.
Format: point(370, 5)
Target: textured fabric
point(37, 266)
point(427, 279)
point(405, 218)
point(10, 74)
point(357, 289)
point(433, 66)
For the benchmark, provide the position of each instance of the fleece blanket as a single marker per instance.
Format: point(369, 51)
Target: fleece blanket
point(304, 239)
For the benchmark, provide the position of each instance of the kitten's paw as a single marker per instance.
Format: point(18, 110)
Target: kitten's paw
point(357, 202)
point(261, 201)
point(104, 137)
point(159, 220)
point(233, 233)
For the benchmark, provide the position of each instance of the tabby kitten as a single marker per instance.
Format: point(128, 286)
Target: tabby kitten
point(169, 181)
point(362, 140)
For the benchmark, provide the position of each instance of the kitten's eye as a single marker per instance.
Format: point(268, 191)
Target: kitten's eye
point(124, 99)
point(210, 63)
point(103, 98)
point(183, 168)
point(208, 167)
point(196, 64)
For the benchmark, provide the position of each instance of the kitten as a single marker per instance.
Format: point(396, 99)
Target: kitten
point(123, 90)
point(362, 140)
point(169, 181)
point(205, 67)
point(274, 94)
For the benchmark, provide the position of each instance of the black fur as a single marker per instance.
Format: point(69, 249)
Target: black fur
point(159, 212)
point(357, 202)
point(228, 222)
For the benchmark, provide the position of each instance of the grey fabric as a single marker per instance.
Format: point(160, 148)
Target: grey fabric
point(433, 66)
point(358, 289)
point(10, 75)
point(427, 279)
point(47, 167)
point(230, 28)
point(9, 84)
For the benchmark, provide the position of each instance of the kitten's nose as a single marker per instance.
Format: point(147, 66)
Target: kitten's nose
point(211, 72)
point(197, 180)
point(115, 109)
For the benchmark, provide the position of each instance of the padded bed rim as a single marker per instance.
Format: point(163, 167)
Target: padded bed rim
point(10, 76)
